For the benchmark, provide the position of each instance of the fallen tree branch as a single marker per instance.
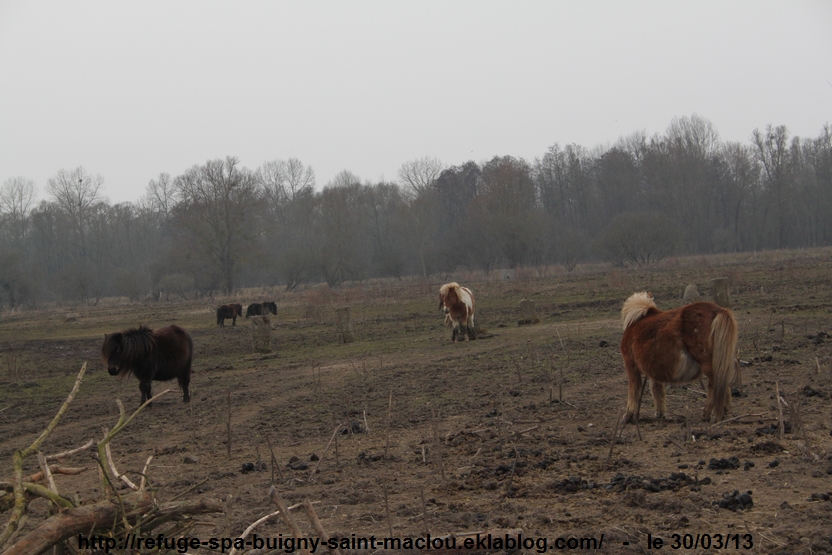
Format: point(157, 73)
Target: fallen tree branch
point(756, 415)
point(99, 517)
point(38, 476)
point(71, 452)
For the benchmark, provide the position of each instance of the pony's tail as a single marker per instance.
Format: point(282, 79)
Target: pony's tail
point(724, 341)
point(636, 307)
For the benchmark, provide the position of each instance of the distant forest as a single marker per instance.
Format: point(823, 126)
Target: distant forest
point(220, 226)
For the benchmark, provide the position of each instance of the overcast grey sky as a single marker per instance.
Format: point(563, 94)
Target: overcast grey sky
point(133, 89)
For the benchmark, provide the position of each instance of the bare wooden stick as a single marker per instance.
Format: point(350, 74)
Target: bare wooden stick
point(389, 418)
point(44, 467)
point(228, 426)
point(287, 518)
point(326, 450)
point(116, 474)
point(638, 427)
point(614, 436)
point(703, 393)
point(688, 432)
point(780, 425)
point(71, 452)
point(143, 481)
point(438, 454)
point(274, 464)
point(424, 511)
point(316, 524)
point(757, 415)
point(366, 426)
point(386, 506)
point(54, 469)
point(254, 525)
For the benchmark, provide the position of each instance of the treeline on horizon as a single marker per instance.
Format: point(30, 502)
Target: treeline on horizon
point(220, 226)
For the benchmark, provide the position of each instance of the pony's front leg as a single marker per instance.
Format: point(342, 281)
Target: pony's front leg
point(472, 331)
point(144, 387)
point(659, 398)
point(184, 382)
point(455, 333)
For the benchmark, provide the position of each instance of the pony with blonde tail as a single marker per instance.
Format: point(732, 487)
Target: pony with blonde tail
point(678, 346)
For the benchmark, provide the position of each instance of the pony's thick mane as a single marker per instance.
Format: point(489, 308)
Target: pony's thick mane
point(137, 344)
point(636, 307)
point(447, 287)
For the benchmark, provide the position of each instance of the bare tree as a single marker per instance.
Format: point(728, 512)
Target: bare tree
point(298, 177)
point(215, 208)
point(288, 188)
point(743, 177)
point(345, 178)
point(694, 134)
point(417, 176)
point(17, 198)
point(162, 194)
point(773, 153)
point(76, 192)
point(341, 213)
point(284, 180)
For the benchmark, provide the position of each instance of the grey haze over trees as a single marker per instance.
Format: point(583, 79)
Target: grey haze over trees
point(220, 226)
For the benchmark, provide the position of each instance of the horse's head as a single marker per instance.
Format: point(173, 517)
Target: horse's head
point(112, 351)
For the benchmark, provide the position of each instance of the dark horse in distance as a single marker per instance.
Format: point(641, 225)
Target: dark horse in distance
point(678, 346)
point(229, 311)
point(160, 355)
point(261, 309)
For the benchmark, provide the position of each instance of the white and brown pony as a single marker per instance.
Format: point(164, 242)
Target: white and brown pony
point(678, 346)
point(458, 305)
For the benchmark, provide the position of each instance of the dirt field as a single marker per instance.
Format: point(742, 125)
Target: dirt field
point(477, 437)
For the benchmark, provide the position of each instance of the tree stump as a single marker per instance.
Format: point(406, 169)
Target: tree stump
point(262, 334)
point(721, 292)
point(691, 294)
point(528, 313)
point(343, 324)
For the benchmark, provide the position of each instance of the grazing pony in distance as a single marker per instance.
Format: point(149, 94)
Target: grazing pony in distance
point(678, 346)
point(160, 355)
point(261, 309)
point(457, 303)
point(229, 311)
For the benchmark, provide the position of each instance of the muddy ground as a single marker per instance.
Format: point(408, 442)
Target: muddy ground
point(512, 431)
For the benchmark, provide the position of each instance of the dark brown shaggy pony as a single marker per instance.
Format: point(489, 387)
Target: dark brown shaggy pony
point(261, 309)
point(160, 355)
point(457, 303)
point(229, 311)
point(678, 346)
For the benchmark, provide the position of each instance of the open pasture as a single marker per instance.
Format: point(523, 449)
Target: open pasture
point(512, 431)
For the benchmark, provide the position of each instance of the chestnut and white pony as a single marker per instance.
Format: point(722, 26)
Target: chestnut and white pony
point(678, 346)
point(458, 305)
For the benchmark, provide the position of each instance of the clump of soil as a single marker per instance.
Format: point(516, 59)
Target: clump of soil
point(736, 501)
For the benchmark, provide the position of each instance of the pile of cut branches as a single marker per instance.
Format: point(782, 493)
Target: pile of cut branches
point(136, 514)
